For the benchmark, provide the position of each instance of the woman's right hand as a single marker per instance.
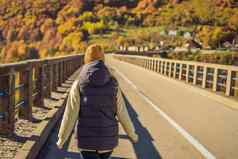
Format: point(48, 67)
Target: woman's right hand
point(135, 138)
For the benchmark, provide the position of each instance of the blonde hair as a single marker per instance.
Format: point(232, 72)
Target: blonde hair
point(94, 52)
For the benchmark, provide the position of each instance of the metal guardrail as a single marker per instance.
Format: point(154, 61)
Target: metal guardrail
point(218, 78)
point(26, 84)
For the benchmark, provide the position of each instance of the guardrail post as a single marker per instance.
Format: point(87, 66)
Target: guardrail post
point(54, 82)
point(165, 68)
point(158, 66)
point(204, 77)
point(69, 68)
point(42, 85)
point(7, 103)
point(144, 63)
point(228, 82)
point(215, 76)
point(162, 67)
point(26, 93)
point(65, 70)
point(40, 74)
point(56, 75)
point(195, 74)
point(141, 63)
point(170, 69)
point(61, 72)
point(153, 64)
point(11, 110)
point(175, 70)
point(49, 74)
point(235, 78)
point(149, 64)
point(180, 71)
point(187, 73)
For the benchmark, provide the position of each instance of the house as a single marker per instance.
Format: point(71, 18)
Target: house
point(187, 35)
point(181, 49)
point(227, 44)
point(161, 43)
point(146, 48)
point(163, 33)
point(173, 33)
point(133, 48)
point(192, 44)
point(157, 48)
point(235, 42)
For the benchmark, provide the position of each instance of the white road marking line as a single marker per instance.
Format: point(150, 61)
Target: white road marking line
point(183, 132)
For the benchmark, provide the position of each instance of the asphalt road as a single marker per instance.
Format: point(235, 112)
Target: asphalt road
point(210, 125)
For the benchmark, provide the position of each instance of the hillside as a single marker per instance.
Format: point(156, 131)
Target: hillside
point(42, 28)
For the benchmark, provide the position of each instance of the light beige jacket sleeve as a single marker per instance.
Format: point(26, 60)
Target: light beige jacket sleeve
point(70, 115)
point(124, 118)
point(72, 110)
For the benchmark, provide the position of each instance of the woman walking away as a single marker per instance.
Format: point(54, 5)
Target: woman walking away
point(95, 101)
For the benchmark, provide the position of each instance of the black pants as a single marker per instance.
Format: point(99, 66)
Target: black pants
point(95, 155)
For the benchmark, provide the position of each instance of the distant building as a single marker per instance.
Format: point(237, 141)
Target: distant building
point(146, 48)
point(133, 48)
point(163, 33)
point(161, 43)
point(235, 42)
point(227, 45)
point(173, 33)
point(123, 48)
point(141, 49)
point(157, 48)
point(187, 35)
point(181, 49)
point(192, 44)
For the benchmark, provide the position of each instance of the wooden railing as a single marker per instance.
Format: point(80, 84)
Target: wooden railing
point(26, 84)
point(218, 78)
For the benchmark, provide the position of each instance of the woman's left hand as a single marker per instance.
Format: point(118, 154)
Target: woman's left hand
point(59, 145)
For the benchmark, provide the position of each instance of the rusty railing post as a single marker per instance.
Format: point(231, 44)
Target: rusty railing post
point(49, 75)
point(7, 102)
point(54, 78)
point(26, 93)
point(40, 80)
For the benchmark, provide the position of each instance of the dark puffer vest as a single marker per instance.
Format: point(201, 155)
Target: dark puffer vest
point(97, 127)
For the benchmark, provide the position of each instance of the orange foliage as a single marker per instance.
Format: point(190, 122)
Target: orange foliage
point(147, 6)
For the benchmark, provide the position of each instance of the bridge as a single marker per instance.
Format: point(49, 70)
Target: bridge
point(180, 109)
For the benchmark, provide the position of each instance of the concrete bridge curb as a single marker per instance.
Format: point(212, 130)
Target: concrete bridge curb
point(32, 147)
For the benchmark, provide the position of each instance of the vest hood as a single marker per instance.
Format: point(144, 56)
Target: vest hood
point(95, 74)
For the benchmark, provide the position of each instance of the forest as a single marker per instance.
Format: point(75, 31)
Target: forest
point(32, 29)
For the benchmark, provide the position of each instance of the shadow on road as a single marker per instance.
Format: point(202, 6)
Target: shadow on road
point(145, 148)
